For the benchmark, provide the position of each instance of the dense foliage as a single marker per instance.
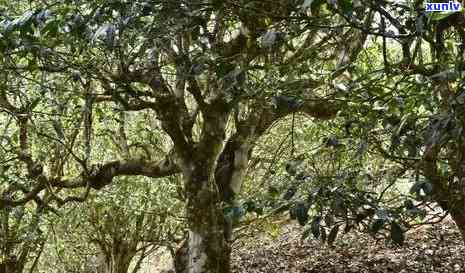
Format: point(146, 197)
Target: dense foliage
point(126, 126)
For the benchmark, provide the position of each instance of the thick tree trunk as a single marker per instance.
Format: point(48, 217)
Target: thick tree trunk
point(209, 187)
point(449, 203)
point(458, 215)
point(207, 248)
point(442, 189)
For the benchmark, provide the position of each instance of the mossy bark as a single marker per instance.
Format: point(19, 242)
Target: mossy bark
point(208, 251)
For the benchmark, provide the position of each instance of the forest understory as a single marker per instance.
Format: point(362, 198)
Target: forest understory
point(128, 127)
point(427, 249)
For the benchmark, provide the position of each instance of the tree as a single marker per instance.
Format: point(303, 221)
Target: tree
point(116, 229)
point(216, 74)
point(418, 101)
point(22, 240)
point(402, 100)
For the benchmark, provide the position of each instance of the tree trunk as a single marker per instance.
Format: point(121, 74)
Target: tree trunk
point(458, 215)
point(116, 260)
point(449, 203)
point(208, 251)
point(119, 265)
point(209, 187)
point(11, 265)
point(444, 193)
point(121, 257)
point(180, 257)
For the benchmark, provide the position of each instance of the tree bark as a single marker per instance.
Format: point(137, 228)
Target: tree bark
point(115, 260)
point(213, 172)
point(443, 190)
point(208, 251)
point(11, 265)
point(119, 264)
point(459, 218)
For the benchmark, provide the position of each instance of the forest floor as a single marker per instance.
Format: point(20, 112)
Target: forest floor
point(427, 249)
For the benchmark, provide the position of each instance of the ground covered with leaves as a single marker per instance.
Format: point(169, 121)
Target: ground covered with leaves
point(435, 249)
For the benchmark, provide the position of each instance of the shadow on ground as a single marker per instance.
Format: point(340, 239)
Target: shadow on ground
point(427, 249)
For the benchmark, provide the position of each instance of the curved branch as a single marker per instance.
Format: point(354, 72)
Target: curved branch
point(100, 176)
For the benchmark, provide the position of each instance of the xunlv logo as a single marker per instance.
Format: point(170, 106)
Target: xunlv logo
point(450, 6)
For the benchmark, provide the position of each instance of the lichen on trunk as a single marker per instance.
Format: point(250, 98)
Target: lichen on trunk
point(207, 248)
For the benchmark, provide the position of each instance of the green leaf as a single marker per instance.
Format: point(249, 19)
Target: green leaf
point(415, 189)
point(346, 5)
point(408, 204)
point(51, 28)
point(223, 68)
point(313, 194)
point(233, 213)
point(34, 103)
point(397, 234)
point(290, 193)
point(427, 188)
point(273, 191)
point(249, 206)
point(238, 212)
point(421, 189)
point(301, 212)
point(292, 213)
